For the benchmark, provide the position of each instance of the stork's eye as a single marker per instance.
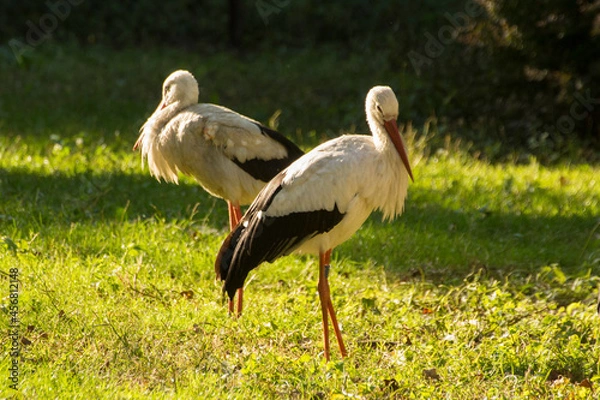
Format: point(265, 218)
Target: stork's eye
point(379, 109)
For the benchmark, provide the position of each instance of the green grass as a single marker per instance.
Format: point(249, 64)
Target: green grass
point(484, 288)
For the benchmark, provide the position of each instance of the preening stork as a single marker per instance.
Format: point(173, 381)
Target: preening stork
point(230, 155)
point(320, 200)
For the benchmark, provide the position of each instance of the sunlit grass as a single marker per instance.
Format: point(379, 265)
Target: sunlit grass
point(485, 287)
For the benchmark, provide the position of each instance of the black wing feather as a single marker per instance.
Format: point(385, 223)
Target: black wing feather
point(265, 170)
point(260, 238)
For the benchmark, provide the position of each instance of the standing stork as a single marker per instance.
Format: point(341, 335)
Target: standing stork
point(230, 155)
point(320, 200)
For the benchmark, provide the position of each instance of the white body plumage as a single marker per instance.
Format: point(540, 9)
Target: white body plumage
point(209, 142)
point(348, 172)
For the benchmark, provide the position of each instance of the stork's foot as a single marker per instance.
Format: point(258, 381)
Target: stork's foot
point(231, 304)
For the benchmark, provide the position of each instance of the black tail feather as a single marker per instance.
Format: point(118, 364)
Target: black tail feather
point(260, 237)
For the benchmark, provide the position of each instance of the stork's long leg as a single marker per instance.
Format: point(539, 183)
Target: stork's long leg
point(327, 306)
point(322, 287)
point(235, 216)
point(232, 215)
point(336, 328)
point(240, 294)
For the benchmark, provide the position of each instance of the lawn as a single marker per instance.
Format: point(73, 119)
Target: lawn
point(485, 287)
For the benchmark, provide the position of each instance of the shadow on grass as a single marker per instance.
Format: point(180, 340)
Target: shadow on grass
point(429, 241)
point(442, 245)
point(63, 199)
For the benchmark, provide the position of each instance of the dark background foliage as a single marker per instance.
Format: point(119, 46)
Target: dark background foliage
point(524, 73)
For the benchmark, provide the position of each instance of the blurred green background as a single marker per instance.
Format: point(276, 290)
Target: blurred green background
point(506, 76)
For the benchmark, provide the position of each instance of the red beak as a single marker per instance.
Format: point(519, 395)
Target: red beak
point(392, 130)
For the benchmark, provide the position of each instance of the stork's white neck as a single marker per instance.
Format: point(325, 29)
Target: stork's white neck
point(393, 187)
point(380, 137)
point(162, 116)
point(151, 130)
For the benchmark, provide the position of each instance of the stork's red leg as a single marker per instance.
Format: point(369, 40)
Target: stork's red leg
point(336, 328)
point(323, 289)
point(237, 212)
point(231, 210)
point(327, 306)
point(240, 294)
point(235, 216)
point(232, 225)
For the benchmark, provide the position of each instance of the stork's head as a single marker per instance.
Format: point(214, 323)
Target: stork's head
point(180, 90)
point(381, 108)
point(181, 87)
point(381, 104)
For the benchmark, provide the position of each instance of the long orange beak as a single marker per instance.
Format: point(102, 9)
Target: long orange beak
point(392, 129)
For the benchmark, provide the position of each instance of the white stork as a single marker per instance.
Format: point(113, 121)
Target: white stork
point(320, 200)
point(230, 155)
